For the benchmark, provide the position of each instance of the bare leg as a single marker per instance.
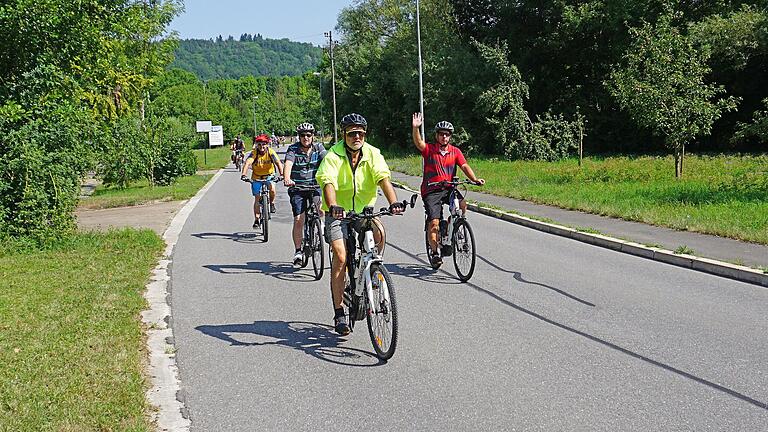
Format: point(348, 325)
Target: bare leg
point(434, 231)
point(338, 272)
point(298, 226)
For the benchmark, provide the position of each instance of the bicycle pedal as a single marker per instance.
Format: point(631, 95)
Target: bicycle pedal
point(446, 250)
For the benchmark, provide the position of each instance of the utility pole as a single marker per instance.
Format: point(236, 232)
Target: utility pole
point(421, 80)
point(320, 88)
point(207, 135)
point(329, 35)
point(254, 115)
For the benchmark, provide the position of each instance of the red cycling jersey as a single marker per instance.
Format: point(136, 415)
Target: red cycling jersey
point(439, 165)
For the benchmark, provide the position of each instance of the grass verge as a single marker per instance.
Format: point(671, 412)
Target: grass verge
point(71, 344)
point(720, 195)
point(213, 158)
point(141, 193)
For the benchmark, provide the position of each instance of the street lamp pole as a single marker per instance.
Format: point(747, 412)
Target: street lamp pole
point(329, 35)
point(421, 80)
point(254, 115)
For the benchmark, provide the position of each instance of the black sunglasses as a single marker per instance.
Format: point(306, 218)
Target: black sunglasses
point(353, 134)
point(305, 135)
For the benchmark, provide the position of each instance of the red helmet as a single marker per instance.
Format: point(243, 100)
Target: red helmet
point(261, 138)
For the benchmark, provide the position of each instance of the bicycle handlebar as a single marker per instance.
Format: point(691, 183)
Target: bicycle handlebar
point(270, 178)
point(453, 183)
point(384, 211)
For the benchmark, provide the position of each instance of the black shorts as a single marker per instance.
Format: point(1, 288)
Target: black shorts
point(433, 202)
point(300, 199)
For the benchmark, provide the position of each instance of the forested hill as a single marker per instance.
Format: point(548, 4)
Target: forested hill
point(250, 55)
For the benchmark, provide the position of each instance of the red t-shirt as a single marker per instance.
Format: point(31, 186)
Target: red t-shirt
point(439, 165)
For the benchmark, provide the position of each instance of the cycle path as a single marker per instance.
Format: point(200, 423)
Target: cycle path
point(708, 246)
point(550, 334)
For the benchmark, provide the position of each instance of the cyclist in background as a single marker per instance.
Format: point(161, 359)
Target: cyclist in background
point(237, 146)
point(440, 162)
point(262, 163)
point(349, 176)
point(301, 162)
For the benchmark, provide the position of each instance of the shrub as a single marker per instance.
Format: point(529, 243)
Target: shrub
point(41, 164)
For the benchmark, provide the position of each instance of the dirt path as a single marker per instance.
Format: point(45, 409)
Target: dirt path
point(154, 216)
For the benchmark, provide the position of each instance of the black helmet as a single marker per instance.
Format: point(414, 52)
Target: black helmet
point(444, 125)
point(353, 120)
point(305, 127)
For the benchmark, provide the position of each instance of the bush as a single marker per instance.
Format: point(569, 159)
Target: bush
point(550, 138)
point(171, 156)
point(41, 164)
point(156, 150)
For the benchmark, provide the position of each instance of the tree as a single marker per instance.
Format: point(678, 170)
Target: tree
point(661, 83)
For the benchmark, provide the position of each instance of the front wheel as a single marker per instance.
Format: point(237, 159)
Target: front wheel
point(463, 250)
point(265, 216)
point(316, 242)
point(382, 316)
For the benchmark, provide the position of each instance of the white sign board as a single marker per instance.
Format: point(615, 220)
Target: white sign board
point(216, 136)
point(203, 125)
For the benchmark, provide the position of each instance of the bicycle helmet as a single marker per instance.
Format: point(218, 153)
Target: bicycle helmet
point(263, 138)
point(444, 125)
point(353, 119)
point(305, 127)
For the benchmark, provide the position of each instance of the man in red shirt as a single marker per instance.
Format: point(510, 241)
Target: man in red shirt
point(440, 162)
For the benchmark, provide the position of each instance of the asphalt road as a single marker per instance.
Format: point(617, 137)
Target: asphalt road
point(549, 335)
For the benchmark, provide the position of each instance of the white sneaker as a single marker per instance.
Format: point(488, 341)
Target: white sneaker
point(298, 257)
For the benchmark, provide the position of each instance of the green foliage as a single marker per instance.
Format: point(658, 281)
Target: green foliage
point(251, 55)
point(757, 130)
point(157, 151)
point(170, 156)
point(662, 85)
point(40, 167)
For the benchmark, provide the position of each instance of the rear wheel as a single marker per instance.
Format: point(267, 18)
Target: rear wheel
point(463, 250)
point(265, 216)
point(382, 319)
point(316, 246)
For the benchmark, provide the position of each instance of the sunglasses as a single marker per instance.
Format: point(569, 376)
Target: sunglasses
point(305, 135)
point(355, 133)
point(447, 134)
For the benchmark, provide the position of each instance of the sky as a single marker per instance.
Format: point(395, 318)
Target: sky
point(297, 20)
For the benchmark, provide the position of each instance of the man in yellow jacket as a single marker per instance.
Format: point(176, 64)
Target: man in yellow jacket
point(349, 176)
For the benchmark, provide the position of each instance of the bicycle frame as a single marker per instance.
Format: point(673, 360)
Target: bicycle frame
point(362, 272)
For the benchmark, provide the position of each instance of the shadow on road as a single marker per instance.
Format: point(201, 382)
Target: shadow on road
point(277, 269)
point(420, 272)
point(239, 237)
point(603, 342)
point(519, 277)
point(316, 340)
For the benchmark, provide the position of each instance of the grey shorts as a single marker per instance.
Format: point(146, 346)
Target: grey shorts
point(338, 229)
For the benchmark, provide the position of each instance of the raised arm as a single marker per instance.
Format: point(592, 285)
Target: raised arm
point(418, 120)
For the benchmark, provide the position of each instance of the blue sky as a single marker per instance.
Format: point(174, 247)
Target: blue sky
point(298, 20)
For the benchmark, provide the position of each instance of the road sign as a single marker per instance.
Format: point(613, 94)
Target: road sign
point(216, 136)
point(203, 125)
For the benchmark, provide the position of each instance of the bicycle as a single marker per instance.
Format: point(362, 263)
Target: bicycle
point(455, 236)
point(266, 215)
point(312, 237)
point(239, 159)
point(369, 290)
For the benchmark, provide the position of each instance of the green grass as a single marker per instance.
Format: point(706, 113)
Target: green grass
point(71, 344)
point(684, 249)
point(721, 195)
point(141, 193)
point(217, 158)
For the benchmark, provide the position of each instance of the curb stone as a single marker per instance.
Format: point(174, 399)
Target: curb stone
point(170, 414)
point(715, 267)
